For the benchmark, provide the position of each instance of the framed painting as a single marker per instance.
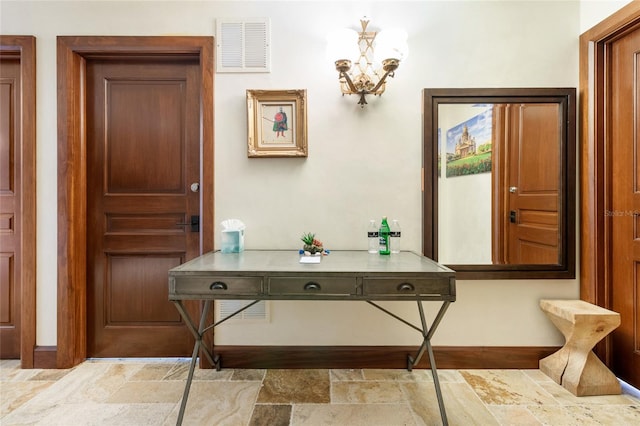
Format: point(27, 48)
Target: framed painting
point(469, 143)
point(277, 123)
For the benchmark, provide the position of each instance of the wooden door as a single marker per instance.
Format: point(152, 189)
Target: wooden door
point(143, 170)
point(624, 216)
point(528, 188)
point(10, 215)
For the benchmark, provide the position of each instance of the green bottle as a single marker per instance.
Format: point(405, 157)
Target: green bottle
point(384, 233)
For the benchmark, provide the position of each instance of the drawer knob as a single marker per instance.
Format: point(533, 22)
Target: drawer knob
point(218, 285)
point(406, 287)
point(312, 286)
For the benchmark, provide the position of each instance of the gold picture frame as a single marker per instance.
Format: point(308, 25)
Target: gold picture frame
point(277, 123)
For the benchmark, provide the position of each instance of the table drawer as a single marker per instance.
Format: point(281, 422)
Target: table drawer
point(326, 286)
point(406, 286)
point(217, 285)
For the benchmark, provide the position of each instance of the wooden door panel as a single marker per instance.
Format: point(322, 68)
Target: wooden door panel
point(542, 236)
point(537, 253)
point(146, 243)
point(144, 223)
point(7, 279)
point(156, 202)
point(143, 150)
point(538, 149)
point(539, 218)
point(133, 291)
point(145, 139)
point(544, 203)
point(625, 204)
point(9, 208)
point(7, 93)
point(537, 243)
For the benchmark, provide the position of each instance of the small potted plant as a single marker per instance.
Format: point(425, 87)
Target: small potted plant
point(311, 246)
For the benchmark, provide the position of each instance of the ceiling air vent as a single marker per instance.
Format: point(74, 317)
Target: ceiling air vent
point(243, 45)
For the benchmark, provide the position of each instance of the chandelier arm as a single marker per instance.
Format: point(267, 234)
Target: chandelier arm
point(352, 87)
point(381, 81)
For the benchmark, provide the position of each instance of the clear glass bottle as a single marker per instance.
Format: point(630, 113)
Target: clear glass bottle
point(395, 234)
point(372, 235)
point(383, 236)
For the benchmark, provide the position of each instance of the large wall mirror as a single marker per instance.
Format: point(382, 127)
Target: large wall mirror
point(499, 181)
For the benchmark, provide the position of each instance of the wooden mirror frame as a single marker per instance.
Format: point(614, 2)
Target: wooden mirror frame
point(566, 98)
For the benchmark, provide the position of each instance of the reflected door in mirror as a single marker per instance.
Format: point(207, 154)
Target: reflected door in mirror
point(526, 181)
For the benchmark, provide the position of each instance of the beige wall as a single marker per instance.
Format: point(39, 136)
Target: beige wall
point(362, 164)
point(594, 11)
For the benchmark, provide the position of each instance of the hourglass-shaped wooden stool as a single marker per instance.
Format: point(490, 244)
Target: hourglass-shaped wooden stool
point(575, 366)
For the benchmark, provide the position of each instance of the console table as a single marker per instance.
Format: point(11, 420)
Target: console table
point(256, 275)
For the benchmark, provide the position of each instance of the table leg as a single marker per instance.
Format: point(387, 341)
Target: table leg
point(198, 346)
point(196, 349)
point(187, 387)
point(436, 383)
point(426, 343)
point(427, 334)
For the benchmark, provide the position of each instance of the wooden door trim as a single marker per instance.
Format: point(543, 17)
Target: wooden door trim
point(594, 45)
point(595, 285)
point(25, 48)
point(498, 219)
point(72, 53)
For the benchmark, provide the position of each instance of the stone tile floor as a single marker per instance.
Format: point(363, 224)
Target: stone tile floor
point(148, 392)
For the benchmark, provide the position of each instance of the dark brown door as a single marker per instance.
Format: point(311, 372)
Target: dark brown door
point(143, 169)
point(625, 202)
point(529, 187)
point(10, 223)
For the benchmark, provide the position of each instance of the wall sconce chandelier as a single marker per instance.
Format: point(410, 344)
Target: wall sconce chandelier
point(365, 59)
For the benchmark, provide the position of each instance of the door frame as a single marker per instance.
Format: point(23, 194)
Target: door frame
point(72, 53)
point(24, 47)
point(595, 285)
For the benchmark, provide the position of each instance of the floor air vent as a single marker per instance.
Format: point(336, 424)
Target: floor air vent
point(257, 313)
